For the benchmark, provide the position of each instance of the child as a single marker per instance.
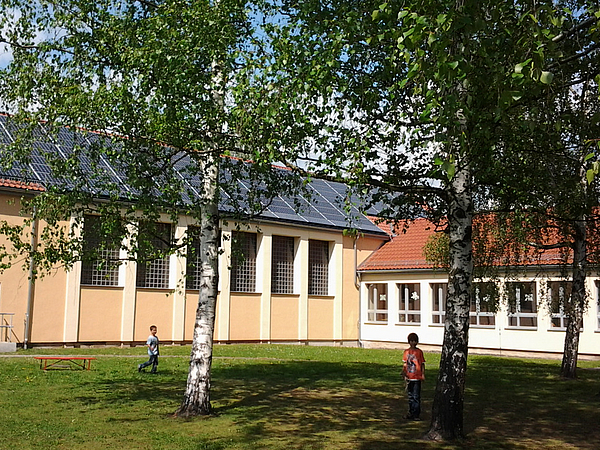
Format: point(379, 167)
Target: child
point(414, 373)
point(152, 344)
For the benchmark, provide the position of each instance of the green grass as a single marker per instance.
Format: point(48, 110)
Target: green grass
point(288, 397)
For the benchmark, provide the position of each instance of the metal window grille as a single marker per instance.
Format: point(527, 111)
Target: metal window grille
point(101, 258)
point(523, 305)
point(409, 310)
point(282, 265)
point(193, 259)
point(155, 273)
point(377, 308)
point(439, 295)
point(318, 267)
point(243, 262)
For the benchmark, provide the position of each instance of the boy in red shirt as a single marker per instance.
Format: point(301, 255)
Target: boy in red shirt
point(414, 373)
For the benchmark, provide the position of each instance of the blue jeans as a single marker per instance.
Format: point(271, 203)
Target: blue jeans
point(152, 361)
point(413, 391)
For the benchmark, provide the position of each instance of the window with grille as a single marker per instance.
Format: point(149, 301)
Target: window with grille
point(377, 308)
point(522, 304)
point(439, 293)
point(559, 292)
point(192, 280)
point(100, 256)
point(409, 308)
point(153, 257)
point(282, 265)
point(483, 305)
point(318, 267)
point(243, 262)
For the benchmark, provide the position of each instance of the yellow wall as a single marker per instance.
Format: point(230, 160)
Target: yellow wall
point(245, 317)
point(284, 317)
point(100, 313)
point(153, 307)
point(66, 312)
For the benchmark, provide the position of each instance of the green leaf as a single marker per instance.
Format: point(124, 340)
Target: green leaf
point(589, 175)
point(546, 77)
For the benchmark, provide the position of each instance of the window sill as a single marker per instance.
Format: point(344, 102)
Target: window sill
point(378, 323)
point(522, 328)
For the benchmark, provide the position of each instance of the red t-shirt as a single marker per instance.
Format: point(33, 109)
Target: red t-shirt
point(415, 363)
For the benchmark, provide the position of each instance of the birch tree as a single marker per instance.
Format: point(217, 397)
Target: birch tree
point(161, 81)
point(406, 101)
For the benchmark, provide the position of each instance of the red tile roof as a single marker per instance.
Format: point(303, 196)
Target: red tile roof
point(13, 184)
point(405, 250)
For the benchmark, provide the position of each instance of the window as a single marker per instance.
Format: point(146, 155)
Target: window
point(153, 258)
point(483, 305)
point(522, 305)
point(282, 265)
point(193, 267)
point(409, 309)
point(377, 309)
point(598, 304)
point(318, 267)
point(439, 293)
point(558, 293)
point(243, 262)
point(100, 256)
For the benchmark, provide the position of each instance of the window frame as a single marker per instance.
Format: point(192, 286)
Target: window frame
point(377, 309)
point(477, 309)
point(318, 267)
point(242, 273)
point(406, 295)
point(282, 264)
point(558, 300)
point(438, 305)
point(515, 309)
point(155, 273)
point(91, 274)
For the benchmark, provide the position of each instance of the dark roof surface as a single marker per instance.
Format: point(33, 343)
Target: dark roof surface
point(323, 207)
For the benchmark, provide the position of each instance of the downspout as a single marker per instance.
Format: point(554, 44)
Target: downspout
point(31, 288)
point(357, 279)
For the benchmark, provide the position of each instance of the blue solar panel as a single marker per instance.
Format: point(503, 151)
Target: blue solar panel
point(324, 207)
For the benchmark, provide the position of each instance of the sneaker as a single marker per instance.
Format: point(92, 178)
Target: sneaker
point(409, 417)
point(139, 367)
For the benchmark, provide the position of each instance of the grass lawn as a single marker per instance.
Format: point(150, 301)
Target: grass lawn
point(288, 397)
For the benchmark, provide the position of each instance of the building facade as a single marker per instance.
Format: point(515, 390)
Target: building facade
point(402, 293)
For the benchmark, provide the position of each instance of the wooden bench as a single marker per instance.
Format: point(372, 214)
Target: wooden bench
point(58, 362)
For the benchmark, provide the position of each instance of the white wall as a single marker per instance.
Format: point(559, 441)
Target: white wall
point(544, 338)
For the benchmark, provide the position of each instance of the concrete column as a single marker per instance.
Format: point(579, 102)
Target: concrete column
point(72, 297)
point(264, 260)
point(224, 301)
point(177, 282)
point(129, 296)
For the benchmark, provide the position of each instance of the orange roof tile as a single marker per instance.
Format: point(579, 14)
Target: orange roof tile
point(405, 250)
point(13, 184)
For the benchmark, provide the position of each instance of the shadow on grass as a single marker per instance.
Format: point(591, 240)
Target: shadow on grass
point(509, 404)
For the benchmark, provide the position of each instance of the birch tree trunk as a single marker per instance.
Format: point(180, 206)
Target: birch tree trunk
point(575, 306)
point(196, 399)
point(447, 415)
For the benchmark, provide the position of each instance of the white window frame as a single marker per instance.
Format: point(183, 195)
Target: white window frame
point(406, 293)
point(517, 314)
point(560, 315)
point(377, 303)
point(478, 315)
point(439, 292)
